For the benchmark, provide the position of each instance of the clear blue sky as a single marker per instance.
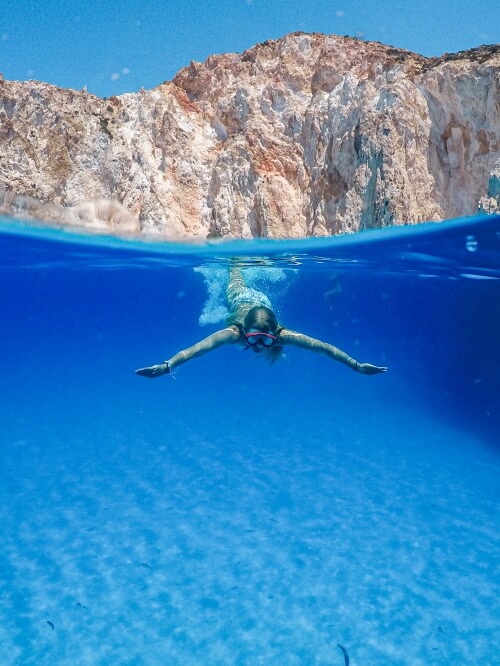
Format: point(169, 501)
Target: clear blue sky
point(114, 47)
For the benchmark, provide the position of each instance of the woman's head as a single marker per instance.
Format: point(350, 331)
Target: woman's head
point(261, 331)
point(262, 319)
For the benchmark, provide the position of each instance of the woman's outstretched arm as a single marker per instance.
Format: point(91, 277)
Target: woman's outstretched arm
point(217, 339)
point(287, 337)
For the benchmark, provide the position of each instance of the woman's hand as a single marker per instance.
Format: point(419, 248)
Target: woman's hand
point(369, 369)
point(154, 370)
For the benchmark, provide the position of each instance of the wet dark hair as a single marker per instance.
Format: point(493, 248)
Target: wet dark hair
point(263, 319)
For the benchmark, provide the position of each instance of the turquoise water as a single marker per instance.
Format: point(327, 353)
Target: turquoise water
point(242, 513)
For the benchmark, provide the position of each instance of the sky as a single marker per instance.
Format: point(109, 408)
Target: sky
point(114, 47)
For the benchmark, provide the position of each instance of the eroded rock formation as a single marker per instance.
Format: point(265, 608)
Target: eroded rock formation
point(306, 135)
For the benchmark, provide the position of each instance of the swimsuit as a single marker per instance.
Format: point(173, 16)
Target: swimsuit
point(241, 299)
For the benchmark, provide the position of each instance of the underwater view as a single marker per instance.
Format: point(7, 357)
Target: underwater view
point(238, 511)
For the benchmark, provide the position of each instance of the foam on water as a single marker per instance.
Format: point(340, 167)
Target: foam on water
point(266, 279)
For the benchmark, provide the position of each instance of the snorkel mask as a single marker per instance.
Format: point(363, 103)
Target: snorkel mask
point(257, 338)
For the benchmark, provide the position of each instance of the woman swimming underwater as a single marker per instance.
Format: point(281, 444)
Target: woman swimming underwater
point(252, 323)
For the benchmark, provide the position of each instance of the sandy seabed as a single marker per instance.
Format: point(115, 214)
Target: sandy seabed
point(177, 548)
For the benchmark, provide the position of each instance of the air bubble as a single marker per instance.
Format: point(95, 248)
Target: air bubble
point(471, 244)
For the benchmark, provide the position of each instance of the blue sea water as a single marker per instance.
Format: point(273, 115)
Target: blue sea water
point(238, 512)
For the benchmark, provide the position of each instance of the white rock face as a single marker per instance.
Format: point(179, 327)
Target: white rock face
point(306, 135)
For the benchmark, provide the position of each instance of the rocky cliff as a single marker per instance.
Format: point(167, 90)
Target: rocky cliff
point(306, 135)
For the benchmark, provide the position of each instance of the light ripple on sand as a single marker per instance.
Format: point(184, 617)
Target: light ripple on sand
point(230, 552)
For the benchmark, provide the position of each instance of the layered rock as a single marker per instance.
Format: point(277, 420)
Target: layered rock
point(306, 135)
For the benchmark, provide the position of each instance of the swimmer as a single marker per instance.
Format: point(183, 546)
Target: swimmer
point(332, 293)
point(252, 323)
